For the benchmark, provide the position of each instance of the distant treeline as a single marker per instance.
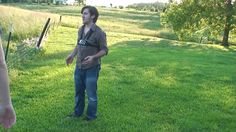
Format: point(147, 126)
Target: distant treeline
point(79, 2)
point(153, 7)
point(27, 1)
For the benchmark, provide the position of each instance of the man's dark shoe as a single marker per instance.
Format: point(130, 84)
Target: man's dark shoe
point(89, 119)
point(73, 115)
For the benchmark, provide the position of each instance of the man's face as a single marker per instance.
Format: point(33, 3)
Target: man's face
point(86, 17)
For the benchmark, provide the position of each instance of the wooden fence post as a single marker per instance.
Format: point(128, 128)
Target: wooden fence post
point(43, 32)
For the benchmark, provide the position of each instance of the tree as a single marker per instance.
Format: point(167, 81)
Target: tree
point(82, 2)
point(155, 7)
point(170, 1)
point(228, 21)
point(191, 16)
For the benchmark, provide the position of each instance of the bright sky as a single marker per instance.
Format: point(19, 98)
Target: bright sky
point(120, 2)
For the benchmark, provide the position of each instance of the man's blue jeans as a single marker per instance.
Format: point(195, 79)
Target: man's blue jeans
point(86, 80)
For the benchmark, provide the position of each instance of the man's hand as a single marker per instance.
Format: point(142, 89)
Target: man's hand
point(7, 116)
point(69, 60)
point(88, 60)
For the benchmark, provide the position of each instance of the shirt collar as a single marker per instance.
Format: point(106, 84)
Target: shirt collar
point(93, 27)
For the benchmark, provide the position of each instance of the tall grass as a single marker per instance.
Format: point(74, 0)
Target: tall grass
point(141, 22)
point(110, 19)
point(26, 23)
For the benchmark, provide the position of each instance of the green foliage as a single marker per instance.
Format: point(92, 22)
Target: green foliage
point(121, 7)
point(153, 7)
point(19, 54)
point(191, 16)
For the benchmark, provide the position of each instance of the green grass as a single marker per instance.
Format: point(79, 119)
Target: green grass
point(112, 20)
point(146, 84)
point(26, 24)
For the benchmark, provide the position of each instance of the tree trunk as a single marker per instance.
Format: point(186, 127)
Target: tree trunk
point(228, 19)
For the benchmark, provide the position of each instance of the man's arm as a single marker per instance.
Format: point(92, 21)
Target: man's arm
point(7, 113)
point(4, 87)
point(75, 51)
point(100, 54)
point(71, 56)
point(89, 59)
point(102, 45)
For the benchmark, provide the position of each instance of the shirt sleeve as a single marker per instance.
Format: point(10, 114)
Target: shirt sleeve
point(79, 35)
point(102, 41)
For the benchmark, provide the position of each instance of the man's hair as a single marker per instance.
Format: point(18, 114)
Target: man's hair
point(93, 11)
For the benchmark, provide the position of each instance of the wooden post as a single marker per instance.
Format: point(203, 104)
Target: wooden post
point(47, 30)
point(8, 41)
point(43, 32)
point(60, 19)
point(1, 32)
point(53, 25)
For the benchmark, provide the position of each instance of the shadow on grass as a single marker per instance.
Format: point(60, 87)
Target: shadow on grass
point(153, 20)
point(145, 83)
point(132, 16)
point(45, 60)
point(179, 82)
point(152, 24)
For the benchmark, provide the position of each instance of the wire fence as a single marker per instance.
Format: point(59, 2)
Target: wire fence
point(23, 50)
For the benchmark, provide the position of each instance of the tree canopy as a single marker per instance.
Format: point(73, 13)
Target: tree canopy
point(214, 17)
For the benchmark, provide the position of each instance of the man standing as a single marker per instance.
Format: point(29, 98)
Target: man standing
point(91, 46)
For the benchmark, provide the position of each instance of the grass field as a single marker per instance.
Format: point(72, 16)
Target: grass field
point(25, 23)
point(146, 83)
point(140, 23)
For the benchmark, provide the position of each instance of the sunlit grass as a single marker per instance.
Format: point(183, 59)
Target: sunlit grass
point(146, 83)
point(111, 20)
point(140, 22)
point(26, 24)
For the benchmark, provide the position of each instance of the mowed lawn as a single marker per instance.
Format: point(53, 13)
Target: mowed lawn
point(146, 84)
